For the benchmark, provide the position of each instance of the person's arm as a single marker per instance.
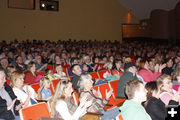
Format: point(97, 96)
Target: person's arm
point(62, 109)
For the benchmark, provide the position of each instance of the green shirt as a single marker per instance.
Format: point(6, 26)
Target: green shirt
point(131, 110)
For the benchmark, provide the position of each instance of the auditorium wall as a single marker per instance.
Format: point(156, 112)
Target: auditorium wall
point(76, 19)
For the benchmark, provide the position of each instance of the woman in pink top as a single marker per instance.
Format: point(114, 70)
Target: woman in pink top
point(164, 84)
point(146, 73)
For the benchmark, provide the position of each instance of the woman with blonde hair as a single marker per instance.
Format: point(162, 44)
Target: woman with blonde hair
point(62, 105)
point(164, 84)
point(24, 93)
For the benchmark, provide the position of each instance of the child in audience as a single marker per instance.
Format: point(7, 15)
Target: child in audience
point(50, 75)
point(44, 88)
point(62, 105)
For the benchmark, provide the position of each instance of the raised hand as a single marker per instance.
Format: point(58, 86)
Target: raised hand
point(108, 94)
point(156, 68)
point(11, 105)
point(99, 93)
point(28, 92)
point(162, 66)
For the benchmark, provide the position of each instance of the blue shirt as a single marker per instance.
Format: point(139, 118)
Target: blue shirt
point(46, 93)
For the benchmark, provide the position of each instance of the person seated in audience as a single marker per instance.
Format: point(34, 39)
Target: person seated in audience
point(146, 73)
point(30, 75)
point(50, 75)
point(76, 70)
point(62, 105)
point(39, 65)
point(88, 62)
point(10, 70)
point(97, 65)
point(153, 105)
point(11, 58)
point(176, 78)
point(129, 74)
point(65, 59)
point(167, 93)
point(44, 88)
point(59, 72)
point(85, 89)
point(132, 108)
point(4, 64)
point(23, 55)
point(57, 60)
point(29, 59)
point(20, 66)
point(168, 69)
point(116, 68)
point(73, 61)
point(9, 105)
point(85, 68)
point(24, 93)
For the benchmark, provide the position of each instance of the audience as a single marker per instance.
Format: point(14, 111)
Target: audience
point(84, 57)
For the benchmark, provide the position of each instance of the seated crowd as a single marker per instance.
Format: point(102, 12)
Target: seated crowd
point(148, 79)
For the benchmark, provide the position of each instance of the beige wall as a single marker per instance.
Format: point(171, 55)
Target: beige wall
point(76, 19)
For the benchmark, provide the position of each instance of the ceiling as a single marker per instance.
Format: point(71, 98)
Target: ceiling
point(142, 8)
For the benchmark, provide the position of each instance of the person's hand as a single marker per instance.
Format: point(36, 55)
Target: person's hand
point(12, 104)
point(162, 66)
point(18, 107)
point(88, 103)
point(99, 93)
point(108, 94)
point(83, 101)
point(176, 96)
point(156, 68)
point(28, 92)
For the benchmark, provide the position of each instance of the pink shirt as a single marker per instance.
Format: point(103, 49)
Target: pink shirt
point(166, 97)
point(148, 75)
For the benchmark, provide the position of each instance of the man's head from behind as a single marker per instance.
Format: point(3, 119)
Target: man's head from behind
point(135, 89)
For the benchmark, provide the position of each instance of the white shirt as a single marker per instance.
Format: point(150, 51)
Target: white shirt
point(22, 96)
point(62, 109)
